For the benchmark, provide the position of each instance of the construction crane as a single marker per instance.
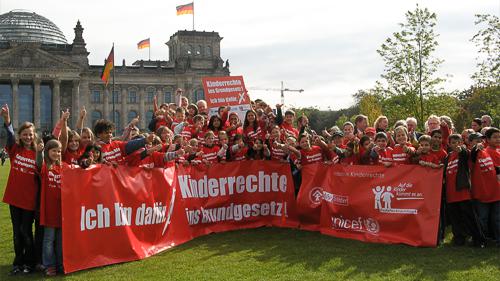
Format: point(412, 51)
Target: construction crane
point(282, 90)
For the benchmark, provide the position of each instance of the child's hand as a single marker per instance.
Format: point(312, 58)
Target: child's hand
point(150, 138)
point(254, 146)
point(180, 152)
point(39, 147)
point(65, 115)
point(134, 121)
point(479, 146)
point(279, 105)
point(83, 112)
point(268, 136)
point(5, 111)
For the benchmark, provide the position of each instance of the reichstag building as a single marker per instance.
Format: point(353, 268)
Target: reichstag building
point(41, 73)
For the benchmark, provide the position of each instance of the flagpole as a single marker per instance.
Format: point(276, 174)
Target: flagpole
point(193, 15)
point(113, 89)
point(149, 48)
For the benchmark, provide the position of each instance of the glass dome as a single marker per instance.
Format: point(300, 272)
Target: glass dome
point(26, 26)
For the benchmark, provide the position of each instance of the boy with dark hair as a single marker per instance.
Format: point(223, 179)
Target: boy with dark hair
point(458, 197)
point(486, 184)
point(114, 151)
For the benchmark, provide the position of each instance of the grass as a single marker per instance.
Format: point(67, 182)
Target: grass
point(281, 254)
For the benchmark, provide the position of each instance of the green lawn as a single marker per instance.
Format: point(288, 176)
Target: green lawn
point(282, 254)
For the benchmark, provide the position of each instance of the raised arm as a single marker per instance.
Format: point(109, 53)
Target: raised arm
point(64, 130)
point(11, 138)
point(81, 120)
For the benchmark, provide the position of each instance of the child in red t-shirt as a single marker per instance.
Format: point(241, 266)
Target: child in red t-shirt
point(424, 155)
point(464, 221)
point(381, 154)
point(486, 182)
point(403, 150)
point(49, 164)
point(21, 191)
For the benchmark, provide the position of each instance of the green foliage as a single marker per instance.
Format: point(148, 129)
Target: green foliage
point(476, 102)
point(487, 39)
point(410, 66)
point(321, 119)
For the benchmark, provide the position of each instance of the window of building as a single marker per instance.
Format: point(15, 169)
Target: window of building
point(115, 118)
point(149, 115)
point(132, 97)
point(199, 95)
point(96, 115)
point(208, 51)
point(115, 96)
point(45, 108)
point(131, 115)
point(25, 94)
point(6, 96)
point(168, 97)
point(150, 95)
point(96, 96)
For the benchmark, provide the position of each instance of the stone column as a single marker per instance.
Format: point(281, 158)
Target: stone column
point(142, 113)
point(36, 102)
point(56, 101)
point(75, 102)
point(84, 99)
point(105, 109)
point(160, 95)
point(123, 106)
point(14, 111)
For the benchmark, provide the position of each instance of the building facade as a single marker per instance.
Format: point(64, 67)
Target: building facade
point(41, 74)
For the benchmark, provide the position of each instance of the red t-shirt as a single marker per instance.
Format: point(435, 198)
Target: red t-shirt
point(485, 184)
point(210, 153)
point(314, 155)
point(440, 155)
point(384, 156)
point(452, 195)
point(399, 156)
point(240, 155)
point(277, 153)
point(21, 190)
point(113, 151)
point(161, 122)
point(289, 129)
point(430, 158)
point(50, 200)
point(332, 156)
point(71, 157)
point(251, 135)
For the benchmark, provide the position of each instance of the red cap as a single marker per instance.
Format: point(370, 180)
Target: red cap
point(370, 130)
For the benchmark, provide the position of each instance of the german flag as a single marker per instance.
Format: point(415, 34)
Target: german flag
point(185, 9)
point(108, 66)
point(143, 44)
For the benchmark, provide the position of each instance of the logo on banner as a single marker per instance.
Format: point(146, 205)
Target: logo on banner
point(384, 197)
point(315, 195)
point(359, 224)
point(336, 199)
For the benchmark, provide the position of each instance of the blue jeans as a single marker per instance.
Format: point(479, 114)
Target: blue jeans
point(52, 248)
point(489, 217)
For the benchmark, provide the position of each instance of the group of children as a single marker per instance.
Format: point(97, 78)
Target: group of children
point(186, 135)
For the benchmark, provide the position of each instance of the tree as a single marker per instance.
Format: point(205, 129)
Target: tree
point(488, 41)
point(410, 66)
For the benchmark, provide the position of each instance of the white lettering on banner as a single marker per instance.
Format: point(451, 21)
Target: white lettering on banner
point(341, 200)
point(315, 195)
point(358, 224)
point(403, 192)
point(359, 175)
point(234, 82)
point(213, 187)
point(112, 155)
point(236, 212)
point(101, 216)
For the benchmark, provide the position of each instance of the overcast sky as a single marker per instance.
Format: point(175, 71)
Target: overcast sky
point(326, 47)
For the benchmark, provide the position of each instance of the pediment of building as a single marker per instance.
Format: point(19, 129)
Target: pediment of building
point(32, 58)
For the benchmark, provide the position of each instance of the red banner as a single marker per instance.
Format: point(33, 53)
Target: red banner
point(236, 195)
point(377, 204)
point(113, 215)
